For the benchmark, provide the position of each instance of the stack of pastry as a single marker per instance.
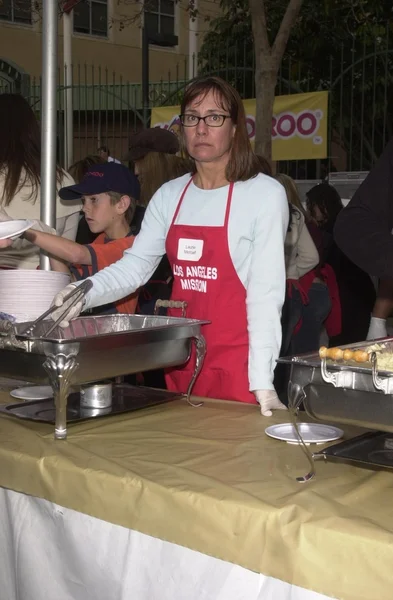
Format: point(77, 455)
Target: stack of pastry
point(359, 356)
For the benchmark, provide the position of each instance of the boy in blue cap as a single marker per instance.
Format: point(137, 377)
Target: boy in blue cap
point(109, 192)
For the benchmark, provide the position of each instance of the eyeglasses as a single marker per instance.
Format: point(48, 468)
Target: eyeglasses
point(189, 120)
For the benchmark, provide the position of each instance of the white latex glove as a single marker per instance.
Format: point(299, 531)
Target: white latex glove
point(64, 308)
point(269, 401)
point(377, 329)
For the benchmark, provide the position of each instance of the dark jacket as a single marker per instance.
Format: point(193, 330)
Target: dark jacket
point(363, 229)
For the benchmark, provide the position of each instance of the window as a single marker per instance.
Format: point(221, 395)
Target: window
point(16, 11)
point(91, 17)
point(160, 17)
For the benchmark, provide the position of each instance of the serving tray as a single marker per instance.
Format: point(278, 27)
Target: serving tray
point(126, 398)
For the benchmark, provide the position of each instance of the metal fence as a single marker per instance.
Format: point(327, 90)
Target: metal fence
point(359, 79)
point(107, 108)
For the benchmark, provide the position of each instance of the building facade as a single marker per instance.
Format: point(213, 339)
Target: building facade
point(106, 62)
point(106, 33)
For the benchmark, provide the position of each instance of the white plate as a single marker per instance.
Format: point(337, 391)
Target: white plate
point(13, 229)
point(35, 392)
point(312, 433)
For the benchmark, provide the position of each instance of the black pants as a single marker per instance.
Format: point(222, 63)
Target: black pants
point(314, 315)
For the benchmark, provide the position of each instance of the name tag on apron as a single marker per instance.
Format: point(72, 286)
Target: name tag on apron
point(189, 249)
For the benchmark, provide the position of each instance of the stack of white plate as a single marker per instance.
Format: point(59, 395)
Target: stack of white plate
point(27, 293)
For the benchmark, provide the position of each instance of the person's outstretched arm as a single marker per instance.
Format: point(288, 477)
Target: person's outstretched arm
point(59, 247)
point(138, 263)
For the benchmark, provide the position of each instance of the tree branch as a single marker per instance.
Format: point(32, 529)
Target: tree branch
point(288, 21)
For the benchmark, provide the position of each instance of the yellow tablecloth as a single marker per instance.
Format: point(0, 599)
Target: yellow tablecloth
point(210, 479)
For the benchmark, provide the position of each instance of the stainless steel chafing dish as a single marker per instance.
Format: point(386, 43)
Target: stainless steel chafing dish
point(345, 391)
point(93, 348)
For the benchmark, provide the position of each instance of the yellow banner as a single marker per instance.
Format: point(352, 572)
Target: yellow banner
point(299, 126)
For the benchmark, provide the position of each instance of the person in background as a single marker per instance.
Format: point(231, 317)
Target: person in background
point(363, 230)
point(77, 171)
point(153, 153)
point(20, 180)
point(356, 290)
point(104, 153)
point(301, 257)
point(383, 308)
point(223, 228)
point(318, 286)
point(109, 193)
point(364, 233)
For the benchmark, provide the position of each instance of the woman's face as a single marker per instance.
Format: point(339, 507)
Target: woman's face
point(204, 143)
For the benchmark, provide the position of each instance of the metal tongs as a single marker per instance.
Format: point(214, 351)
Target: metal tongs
point(296, 396)
point(75, 296)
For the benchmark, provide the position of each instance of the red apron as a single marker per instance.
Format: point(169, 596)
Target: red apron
point(205, 278)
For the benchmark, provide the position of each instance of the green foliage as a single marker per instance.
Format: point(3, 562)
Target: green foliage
point(345, 46)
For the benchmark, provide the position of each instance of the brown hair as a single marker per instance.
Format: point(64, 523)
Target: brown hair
point(242, 163)
point(129, 214)
point(264, 165)
point(103, 149)
point(155, 169)
point(291, 191)
point(20, 148)
point(79, 169)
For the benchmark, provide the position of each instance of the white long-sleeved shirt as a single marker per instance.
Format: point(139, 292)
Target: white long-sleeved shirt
point(22, 254)
point(257, 227)
point(301, 254)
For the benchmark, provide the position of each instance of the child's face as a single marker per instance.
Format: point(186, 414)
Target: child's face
point(99, 212)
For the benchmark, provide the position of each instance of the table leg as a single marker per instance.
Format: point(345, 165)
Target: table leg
point(200, 347)
point(60, 368)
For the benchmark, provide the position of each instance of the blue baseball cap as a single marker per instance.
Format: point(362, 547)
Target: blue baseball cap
point(103, 177)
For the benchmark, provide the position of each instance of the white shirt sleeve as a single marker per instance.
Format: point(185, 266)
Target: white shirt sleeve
point(307, 253)
point(266, 289)
point(301, 254)
point(138, 263)
point(67, 227)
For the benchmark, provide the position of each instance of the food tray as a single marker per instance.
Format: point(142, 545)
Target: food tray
point(373, 450)
point(96, 348)
point(312, 359)
point(350, 393)
point(106, 346)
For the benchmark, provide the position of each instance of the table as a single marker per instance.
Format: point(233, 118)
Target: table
point(199, 494)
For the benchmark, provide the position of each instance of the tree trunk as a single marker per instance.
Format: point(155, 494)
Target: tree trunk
point(267, 63)
point(265, 87)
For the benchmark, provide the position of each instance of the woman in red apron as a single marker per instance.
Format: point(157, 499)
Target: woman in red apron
point(225, 369)
point(226, 336)
point(223, 229)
